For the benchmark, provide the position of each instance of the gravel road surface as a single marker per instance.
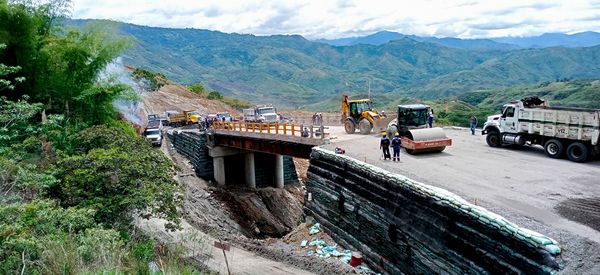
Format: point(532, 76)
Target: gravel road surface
point(521, 184)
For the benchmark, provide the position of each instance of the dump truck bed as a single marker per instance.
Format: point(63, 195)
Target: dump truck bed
point(568, 123)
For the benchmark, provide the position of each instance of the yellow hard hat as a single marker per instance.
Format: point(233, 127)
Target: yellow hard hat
point(383, 134)
point(396, 134)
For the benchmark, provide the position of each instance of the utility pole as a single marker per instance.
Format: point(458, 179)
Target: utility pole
point(369, 85)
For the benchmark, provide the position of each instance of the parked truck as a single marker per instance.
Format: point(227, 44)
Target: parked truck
point(573, 132)
point(224, 117)
point(261, 114)
point(184, 118)
point(153, 130)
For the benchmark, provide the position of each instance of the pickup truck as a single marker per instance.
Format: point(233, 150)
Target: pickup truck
point(153, 131)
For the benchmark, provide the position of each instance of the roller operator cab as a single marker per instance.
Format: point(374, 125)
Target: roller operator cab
point(411, 125)
point(562, 131)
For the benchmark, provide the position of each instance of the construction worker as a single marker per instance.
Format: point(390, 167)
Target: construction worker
point(396, 144)
point(473, 121)
point(384, 145)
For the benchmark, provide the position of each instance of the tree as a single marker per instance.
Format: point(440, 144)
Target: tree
point(117, 175)
point(214, 95)
point(60, 67)
point(15, 119)
point(197, 88)
point(5, 71)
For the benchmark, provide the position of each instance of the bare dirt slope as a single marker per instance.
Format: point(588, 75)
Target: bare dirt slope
point(175, 97)
point(521, 184)
point(208, 215)
point(199, 247)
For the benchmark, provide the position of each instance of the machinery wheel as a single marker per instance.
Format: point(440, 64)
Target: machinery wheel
point(349, 126)
point(410, 151)
point(554, 148)
point(493, 139)
point(365, 127)
point(577, 152)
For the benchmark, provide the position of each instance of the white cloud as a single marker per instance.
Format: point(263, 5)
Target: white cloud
point(339, 18)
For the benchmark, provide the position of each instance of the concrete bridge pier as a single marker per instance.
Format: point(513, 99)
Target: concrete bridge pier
point(219, 170)
point(279, 176)
point(218, 154)
point(239, 167)
point(250, 170)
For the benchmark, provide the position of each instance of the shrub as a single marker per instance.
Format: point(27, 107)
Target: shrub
point(117, 175)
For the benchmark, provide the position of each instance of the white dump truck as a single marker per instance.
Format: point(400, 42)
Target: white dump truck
point(261, 114)
point(573, 132)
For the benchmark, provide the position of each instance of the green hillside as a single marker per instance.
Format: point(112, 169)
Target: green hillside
point(580, 93)
point(293, 72)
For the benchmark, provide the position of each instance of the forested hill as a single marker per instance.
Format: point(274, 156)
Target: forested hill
point(293, 71)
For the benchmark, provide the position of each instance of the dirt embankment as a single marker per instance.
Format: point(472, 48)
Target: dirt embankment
point(175, 97)
point(239, 216)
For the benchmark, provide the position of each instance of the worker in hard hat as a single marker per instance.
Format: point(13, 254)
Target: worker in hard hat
point(384, 145)
point(396, 144)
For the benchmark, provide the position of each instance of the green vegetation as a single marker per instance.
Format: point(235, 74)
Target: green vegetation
point(154, 80)
point(578, 93)
point(292, 72)
point(456, 110)
point(72, 175)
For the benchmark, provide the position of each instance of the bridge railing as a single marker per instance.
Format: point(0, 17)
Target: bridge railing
point(282, 129)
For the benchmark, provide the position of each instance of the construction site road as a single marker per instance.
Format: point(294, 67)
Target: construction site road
point(520, 183)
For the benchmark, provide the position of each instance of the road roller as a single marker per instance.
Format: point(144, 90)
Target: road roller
point(411, 125)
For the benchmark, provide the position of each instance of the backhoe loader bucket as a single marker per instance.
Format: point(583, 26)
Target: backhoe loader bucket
point(381, 124)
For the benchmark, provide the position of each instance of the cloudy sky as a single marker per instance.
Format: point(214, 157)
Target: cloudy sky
point(335, 19)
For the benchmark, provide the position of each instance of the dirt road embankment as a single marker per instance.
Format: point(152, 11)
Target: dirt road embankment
point(175, 97)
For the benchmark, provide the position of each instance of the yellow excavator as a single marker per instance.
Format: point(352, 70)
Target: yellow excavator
point(358, 113)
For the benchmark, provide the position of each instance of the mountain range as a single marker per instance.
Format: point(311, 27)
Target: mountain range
point(291, 71)
point(582, 39)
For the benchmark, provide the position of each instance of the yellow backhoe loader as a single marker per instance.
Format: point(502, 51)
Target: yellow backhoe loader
point(357, 113)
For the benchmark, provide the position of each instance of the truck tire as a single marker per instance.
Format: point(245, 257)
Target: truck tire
point(349, 127)
point(365, 127)
point(577, 152)
point(554, 148)
point(493, 139)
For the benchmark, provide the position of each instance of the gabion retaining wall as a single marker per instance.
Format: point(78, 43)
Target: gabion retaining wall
point(193, 146)
point(403, 226)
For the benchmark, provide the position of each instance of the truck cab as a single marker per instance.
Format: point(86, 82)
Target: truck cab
point(153, 132)
point(505, 122)
point(261, 114)
point(508, 120)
